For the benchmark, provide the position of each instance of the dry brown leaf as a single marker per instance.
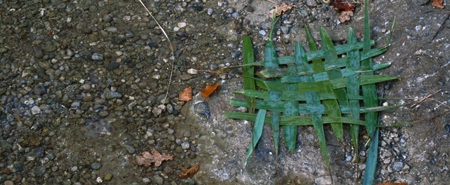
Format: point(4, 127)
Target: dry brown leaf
point(186, 94)
point(345, 16)
point(209, 89)
point(189, 172)
point(438, 3)
point(359, 34)
point(339, 5)
point(389, 183)
point(281, 8)
point(147, 159)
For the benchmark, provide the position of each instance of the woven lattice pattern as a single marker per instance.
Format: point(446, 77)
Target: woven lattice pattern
point(317, 86)
point(326, 86)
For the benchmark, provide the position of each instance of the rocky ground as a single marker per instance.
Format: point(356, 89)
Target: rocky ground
point(83, 86)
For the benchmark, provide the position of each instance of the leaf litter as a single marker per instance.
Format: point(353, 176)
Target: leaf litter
point(209, 89)
point(189, 173)
point(281, 8)
point(438, 4)
point(347, 8)
point(147, 159)
point(186, 94)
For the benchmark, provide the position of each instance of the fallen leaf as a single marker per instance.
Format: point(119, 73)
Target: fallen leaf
point(339, 5)
point(281, 8)
point(147, 159)
point(359, 34)
point(186, 94)
point(345, 16)
point(209, 89)
point(438, 3)
point(388, 183)
point(189, 172)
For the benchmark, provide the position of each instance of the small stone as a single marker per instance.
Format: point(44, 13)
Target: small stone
point(103, 113)
point(181, 24)
point(75, 104)
point(99, 180)
point(168, 170)
point(111, 95)
point(156, 111)
point(229, 10)
point(9, 183)
point(185, 145)
point(55, 168)
point(96, 166)
point(111, 29)
point(35, 110)
point(107, 177)
point(210, 11)
point(39, 90)
point(311, 3)
point(185, 77)
point(156, 77)
point(192, 71)
point(398, 166)
point(323, 180)
point(97, 56)
point(158, 180)
point(262, 32)
point(250, 9)
point(3, 50)
point(146, 180)
point(113, 65)
point(187, 182)
point(130, 149)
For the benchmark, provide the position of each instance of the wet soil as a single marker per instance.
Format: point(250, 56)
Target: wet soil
point(83, 86)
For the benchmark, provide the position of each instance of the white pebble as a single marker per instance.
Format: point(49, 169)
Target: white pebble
point(119, 53)
point(192, 71)
point(35, 110)
point(176, 29)
point(262, 32)
point(156, 77)
point(185, 145)
point(99, 180)
point(181, 24)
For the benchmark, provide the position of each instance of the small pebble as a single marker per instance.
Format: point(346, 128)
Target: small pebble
point(250, 9)
point(107, 177)
point(181, 24)
point(35, 110)
point(97, 56)
point(96, 166)
point(192, 71)
point(185, 145)
point(262, 32)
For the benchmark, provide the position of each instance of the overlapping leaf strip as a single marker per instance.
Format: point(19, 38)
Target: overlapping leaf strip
point(314, 88)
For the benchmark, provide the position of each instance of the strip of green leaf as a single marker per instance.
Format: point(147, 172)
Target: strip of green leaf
point(257, 132)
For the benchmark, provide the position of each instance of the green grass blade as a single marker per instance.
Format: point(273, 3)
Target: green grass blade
point(276, 97)
point(353, 87)
point(388, 43)
point(249, 71)
point(331, 106)
point(313, 99)
point(371, 163)
point(294, 120)
point(369, 90)
point(257, 132)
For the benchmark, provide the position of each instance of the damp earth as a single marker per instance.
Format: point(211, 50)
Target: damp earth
point(83, 92)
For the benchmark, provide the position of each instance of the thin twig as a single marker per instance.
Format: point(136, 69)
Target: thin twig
point(423, 99)
point(171, 48)
point(440, 27)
